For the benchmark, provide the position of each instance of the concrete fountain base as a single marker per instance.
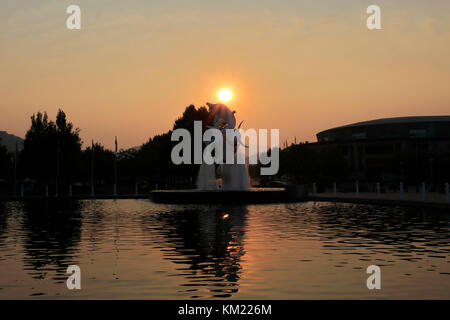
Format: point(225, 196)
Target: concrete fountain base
point(255, 195)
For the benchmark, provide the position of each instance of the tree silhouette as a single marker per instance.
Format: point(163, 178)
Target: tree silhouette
point(153, 160)
point(5, 163)
point(191, 114)
point(103, 164)
point(51, 149)
point(69, 147)
point(303, 163)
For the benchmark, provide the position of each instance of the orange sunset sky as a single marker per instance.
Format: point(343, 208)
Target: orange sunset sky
point(300, 66)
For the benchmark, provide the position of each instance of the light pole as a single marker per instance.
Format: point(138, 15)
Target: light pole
point(431, 173)
point(15, 173)
point(401, 172)
point(57, 167)
point(92, 169)
point(115, 167)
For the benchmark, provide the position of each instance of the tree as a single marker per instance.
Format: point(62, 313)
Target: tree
point(153, 159)
point(51, 148)
point(103, 164)
point(191, 114)
point(69, 147)
point(5, 163)
point(305, 163)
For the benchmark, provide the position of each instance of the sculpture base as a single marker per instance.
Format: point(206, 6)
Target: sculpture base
point(255, 195)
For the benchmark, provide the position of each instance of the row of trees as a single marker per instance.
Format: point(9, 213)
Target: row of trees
point(53, 154)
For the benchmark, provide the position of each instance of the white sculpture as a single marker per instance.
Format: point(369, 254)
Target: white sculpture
point(234, 176)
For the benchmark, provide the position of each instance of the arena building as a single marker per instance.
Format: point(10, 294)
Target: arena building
point(409, 149)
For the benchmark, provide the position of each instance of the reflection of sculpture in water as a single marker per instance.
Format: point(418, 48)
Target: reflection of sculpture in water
point(234, 176)
point(210, 242)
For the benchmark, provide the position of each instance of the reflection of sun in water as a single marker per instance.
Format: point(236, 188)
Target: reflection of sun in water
point(225, 95)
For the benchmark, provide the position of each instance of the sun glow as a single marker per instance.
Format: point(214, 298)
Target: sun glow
point(225, 95)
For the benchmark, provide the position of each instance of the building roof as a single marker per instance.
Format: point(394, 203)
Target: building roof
point(396, 120)
point(388, 128)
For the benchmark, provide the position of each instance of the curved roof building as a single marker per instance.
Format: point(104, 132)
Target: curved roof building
point(430, 127)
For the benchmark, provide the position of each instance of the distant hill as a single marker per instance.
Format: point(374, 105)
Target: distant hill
point(9, 141)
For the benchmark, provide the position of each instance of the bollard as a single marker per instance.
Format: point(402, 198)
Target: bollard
point(92, 190)
point(334, 189)
point(70, 190)
point(424, 192)
point(136, 189)
point(115, 190)
point(378, 190)
point(357, 188)
point(401, 190)
point(314, 188)
point(156, 186)
point(46, 191)
point(21, 191)
point(447, 193)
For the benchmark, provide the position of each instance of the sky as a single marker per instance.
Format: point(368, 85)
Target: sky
point(300, 66)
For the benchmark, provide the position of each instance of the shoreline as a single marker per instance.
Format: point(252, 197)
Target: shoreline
point(255, 196)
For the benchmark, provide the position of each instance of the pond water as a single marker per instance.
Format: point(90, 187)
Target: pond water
point(136, 249)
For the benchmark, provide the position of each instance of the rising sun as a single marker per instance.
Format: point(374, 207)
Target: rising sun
point(225, 95)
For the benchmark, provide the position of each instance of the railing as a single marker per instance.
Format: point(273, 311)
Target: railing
point(422, 194)
point(127, 189)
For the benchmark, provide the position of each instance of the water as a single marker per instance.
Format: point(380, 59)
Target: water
point(138, 249)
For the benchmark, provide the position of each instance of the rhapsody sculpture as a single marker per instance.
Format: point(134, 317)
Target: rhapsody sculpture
point(234, 176)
